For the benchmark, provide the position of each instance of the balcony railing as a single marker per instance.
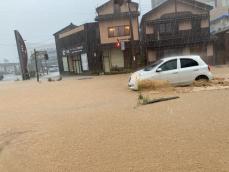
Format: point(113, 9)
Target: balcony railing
point(177, 39)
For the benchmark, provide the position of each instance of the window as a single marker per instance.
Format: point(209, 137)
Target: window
point(118, 31)
point(111, 32)
point(162, 28)
point(185, 63)
point(127, 30)
point(152, 66)
point(196, 25)
point(166, 27)
point(170, 65)
point(185, 25)
point(121, 31)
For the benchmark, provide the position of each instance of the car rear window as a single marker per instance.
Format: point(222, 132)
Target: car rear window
point(185, 63)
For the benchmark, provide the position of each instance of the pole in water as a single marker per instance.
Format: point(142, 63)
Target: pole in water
point(35, 57)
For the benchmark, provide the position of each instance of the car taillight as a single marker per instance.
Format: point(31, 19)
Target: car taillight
point(209, 68)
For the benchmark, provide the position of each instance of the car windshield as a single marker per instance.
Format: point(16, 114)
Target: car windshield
point(152, 66)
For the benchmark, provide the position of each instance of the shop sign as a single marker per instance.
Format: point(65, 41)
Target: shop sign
point(72, 50)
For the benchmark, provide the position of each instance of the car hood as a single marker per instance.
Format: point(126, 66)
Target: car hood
point(137, 75)
point(140, 72)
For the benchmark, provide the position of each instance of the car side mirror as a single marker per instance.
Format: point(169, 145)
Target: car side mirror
point(159, 70)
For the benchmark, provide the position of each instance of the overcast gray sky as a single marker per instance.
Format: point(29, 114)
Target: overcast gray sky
point(37, 20)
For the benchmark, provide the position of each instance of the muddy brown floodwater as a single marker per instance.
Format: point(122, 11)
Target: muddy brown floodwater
point(94, 126)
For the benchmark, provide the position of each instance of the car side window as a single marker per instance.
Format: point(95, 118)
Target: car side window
point(185, 63)
point(170, 65)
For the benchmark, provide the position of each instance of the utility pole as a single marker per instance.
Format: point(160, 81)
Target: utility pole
point(35, 57)
point(175, 7)
point(131, 36)
point(46, 67)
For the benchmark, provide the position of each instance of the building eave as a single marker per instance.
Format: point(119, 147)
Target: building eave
point(116, 16)
point(71, 26)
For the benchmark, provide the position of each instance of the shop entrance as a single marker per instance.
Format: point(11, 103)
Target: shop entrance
point(117, 59)
point(113, 60)
point(77, 67)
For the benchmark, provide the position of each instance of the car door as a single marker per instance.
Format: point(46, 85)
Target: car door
point(188, 71)
point(169, 71)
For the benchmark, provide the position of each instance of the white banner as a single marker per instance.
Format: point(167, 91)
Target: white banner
point(84, 62)
point(65, 64)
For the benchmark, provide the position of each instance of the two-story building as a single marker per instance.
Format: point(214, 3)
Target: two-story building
point(177, 27)
point(119, 35)
point(220, 16)
point(77, 49)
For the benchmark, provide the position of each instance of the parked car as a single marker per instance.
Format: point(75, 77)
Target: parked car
point(179, 70)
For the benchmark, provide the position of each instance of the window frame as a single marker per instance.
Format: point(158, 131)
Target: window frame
point(168, 62)
point(162, 28)
point(119, 31)
point(166, 28)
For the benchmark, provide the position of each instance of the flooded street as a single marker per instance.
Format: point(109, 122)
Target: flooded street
point(11, 77)
point(95, 125)
point(73, 109)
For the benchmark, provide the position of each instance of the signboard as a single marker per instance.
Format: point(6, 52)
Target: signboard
point(40, 55)
point(23, 56)
point(84, 62)
point(71, 51)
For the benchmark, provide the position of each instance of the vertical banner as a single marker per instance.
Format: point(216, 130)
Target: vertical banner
point(23, 56)
point(65, 64)
point(84, 61)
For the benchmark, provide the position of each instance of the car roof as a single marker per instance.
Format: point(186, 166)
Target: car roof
point(178, 57)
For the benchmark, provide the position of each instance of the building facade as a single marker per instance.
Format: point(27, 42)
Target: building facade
point(77, 49)
point(119, 35)
point(221, 46)
point(180, 27)
point(220, 16)
point(220, 31)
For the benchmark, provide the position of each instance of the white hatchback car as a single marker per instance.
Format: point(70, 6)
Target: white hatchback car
point(179, 70)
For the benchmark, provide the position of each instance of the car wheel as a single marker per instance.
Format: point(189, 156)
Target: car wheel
point(202, 78)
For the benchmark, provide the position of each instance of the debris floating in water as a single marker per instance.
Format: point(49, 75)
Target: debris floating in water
point(145, 100)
